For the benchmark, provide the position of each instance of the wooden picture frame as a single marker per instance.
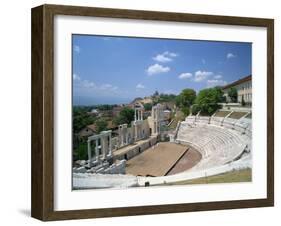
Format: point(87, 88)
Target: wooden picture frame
point(43, 112)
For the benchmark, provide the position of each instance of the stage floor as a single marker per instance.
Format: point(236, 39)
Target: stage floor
point(186, 162)
point(156, 161)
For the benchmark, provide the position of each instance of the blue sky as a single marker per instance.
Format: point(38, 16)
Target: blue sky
point(110, 70)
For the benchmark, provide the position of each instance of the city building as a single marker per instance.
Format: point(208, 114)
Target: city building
point(243, 87)
point(89, 130)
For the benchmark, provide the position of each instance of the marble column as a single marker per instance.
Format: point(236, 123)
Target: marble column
point(89, 154)
point(110, 147)
point(127, 137)
point(97, 151)
point(120, 137)
point(103, 147)
point(136, 132)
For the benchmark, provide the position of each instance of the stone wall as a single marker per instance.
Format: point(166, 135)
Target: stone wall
point(140, 130)
point(136, 149)
point(103, 168)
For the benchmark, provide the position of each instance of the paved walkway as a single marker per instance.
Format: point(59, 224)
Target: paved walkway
point(187, 175)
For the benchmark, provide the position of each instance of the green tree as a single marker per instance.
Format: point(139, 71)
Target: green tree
point(156, 93)
point(208, 100)
point(166, 98)
point(185, 111)
point(81, 152)
point(178, 100)
point(81, 118)
point(195, 109)
point(101, 125)
point(126, 115)
point(232, 93)
point(147, 106)
point(105, 107)
point(186, 98)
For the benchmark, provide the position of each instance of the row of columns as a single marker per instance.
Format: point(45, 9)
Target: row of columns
point(104, 138)
point(138, 114)
point(138, 117)
point(123, 135)
point(137, 130)
point(105, 145)
point(157, 117)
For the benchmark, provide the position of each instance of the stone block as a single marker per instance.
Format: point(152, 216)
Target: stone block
point(81, 169)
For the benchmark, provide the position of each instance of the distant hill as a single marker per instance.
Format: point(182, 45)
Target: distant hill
point(136, 100)
point(142, 100)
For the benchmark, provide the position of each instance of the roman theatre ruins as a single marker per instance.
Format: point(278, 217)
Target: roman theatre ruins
point(200, 146)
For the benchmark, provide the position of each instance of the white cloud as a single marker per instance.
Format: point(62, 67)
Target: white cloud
point(165, 57)
point(76, 49)
point(216, 82)
point(202, 75)
point(140, 86)
point(76, 77)
point(185, 75)
point(171, 54)
point(88, 84)
point(161, 58)
point(217, 77)
point(108, 87)
point(157, 69)
point(230, 55)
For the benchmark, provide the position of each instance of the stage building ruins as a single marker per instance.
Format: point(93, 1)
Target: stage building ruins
point(108, 155)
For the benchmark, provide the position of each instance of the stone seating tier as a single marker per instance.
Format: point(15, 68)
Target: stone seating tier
point(217, 144)
point(243, 125)
point(206, 133)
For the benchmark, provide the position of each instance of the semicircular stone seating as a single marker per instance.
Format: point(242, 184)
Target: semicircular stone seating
point(219, 140)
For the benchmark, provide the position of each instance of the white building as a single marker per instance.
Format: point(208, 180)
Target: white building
point(243, 87)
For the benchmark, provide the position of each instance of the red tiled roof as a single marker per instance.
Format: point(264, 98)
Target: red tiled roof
point(242, 80)
point(92, 127)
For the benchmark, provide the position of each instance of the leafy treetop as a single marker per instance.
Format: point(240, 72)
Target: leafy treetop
point(126, 115)
point(232, 93)
point(208, 100)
